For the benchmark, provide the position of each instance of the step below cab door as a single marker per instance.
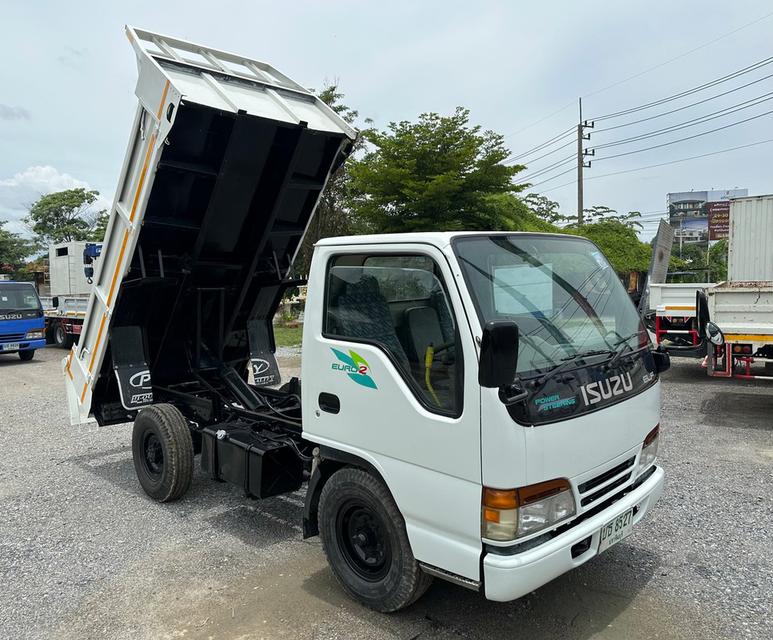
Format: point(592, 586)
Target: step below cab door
point(390, 375)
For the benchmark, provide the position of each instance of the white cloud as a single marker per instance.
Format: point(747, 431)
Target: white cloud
point(20, 191)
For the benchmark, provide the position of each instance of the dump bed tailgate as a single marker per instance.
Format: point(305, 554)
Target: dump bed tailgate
point(226, 162)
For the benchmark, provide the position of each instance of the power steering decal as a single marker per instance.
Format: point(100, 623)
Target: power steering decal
point(355, 366)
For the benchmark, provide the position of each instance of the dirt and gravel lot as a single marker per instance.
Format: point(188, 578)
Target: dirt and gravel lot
point(84, 554)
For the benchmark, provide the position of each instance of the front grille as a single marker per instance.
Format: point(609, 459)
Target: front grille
point(11, 337)
point(588, 496)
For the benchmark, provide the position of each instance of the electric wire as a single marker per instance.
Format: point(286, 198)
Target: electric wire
point(539, 147)
point(558, 175)
point(662, 164)
point(752, 102)
point(549, 153)
point(697, 135)
point(547, 169)
point(687, 92)
point(687, 106)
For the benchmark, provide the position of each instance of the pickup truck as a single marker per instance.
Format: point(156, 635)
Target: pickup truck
point(482, 408)
point(22, 326)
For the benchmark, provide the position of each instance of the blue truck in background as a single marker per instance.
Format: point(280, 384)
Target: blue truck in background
point(22, 325)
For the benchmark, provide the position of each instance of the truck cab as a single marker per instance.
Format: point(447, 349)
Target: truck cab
point(480, 407)
point(22, 326)
point(503, 483)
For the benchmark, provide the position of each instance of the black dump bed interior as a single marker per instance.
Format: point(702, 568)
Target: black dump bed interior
point(232, 196)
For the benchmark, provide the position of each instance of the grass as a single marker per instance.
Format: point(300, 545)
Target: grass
point(288, 336)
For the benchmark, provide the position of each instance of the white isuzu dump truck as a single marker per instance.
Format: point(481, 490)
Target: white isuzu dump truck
point(479, 407)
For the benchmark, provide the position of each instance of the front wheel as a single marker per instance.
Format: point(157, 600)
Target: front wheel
point(364, 538)
point(27, 355)
point(61, 337)
point(163, 452)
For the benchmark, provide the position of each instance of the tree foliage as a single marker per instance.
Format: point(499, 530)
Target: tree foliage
point(13, 251)
point(439, 173)
point(64, 216)
point(618, 242)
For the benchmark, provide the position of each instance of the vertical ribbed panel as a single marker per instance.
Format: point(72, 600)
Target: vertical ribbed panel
point(750, 255)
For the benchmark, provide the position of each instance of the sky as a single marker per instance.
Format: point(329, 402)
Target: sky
point(67, 83)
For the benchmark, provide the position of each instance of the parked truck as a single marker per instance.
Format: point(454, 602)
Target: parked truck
point(673, 316)
point(479, 407)
point(21, 319)
point(71, 267)
point(737, 315)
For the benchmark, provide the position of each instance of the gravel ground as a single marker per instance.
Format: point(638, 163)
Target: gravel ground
point(84, 554)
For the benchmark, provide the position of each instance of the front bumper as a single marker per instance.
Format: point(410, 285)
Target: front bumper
point(507, 577)
point(25, 345)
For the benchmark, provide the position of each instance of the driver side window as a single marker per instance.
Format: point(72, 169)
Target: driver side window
point(399, 303)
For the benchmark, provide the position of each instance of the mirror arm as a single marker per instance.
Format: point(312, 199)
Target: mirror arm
point(514, 393)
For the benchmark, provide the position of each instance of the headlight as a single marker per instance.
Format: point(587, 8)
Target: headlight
point(35, 334)
point(649, 450)
point(513, 513)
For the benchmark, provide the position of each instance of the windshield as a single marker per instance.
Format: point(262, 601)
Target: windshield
point(15, 296)
point(561, 291)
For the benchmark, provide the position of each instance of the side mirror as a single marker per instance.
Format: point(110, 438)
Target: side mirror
point(701, 312)
point(662, 359)
point(498, 354)
point(55, 302)
point(714, 334)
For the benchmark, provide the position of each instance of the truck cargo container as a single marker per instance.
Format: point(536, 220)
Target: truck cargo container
point(479, 407)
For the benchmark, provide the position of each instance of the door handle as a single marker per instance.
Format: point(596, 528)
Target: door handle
point(329, 402)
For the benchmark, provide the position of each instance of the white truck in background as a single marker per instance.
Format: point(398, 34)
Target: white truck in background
point(675, 326)
point(737, 315)
point(479, 407)
point(71, 268)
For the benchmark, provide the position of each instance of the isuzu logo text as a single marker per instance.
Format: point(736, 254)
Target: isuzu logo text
point(613, 386)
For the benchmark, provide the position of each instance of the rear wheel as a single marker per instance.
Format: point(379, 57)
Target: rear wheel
point(163, 452)
point(61, 337)
point(364, 538)
point(27, 355)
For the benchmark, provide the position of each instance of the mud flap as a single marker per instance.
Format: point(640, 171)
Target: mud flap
point(130, 366)
point(265, 370)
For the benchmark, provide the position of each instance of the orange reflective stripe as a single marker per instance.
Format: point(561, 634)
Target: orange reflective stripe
point(747, 337)
point(163, 100)
point(96, 344)
point(83, 393)
point(681, 308)
point(142, 177)
point(117, 268)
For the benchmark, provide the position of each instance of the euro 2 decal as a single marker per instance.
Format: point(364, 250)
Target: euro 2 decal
point(355, 366)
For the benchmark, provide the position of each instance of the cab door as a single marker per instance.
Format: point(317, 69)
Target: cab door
point(390, 375)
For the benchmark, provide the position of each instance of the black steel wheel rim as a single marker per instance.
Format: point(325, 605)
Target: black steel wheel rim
point(363, 540)
point(152, 455)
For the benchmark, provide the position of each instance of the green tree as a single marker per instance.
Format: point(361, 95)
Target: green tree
point(64, 216)
point(97, 233)
point(619, 243)
point(333, 217)
point(13, 251)
point(435, 174)
point(545, 208)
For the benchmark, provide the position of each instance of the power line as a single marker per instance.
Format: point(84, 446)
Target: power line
point(752, 102)
point(681, 55)
point(687, 92)
point(558, 175)
point(688, 106)
point(641, 73)
point(548, 168)
point(663, 164)
point(549, 153)
point(697, 135)
point(539, 147)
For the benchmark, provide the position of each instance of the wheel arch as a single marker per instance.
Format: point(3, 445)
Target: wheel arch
point(331, 460)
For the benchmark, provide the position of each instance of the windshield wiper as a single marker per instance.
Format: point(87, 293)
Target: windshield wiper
point(568, 360)
point(618, 353)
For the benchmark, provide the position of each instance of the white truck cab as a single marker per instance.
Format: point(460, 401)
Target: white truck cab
point(480, 407)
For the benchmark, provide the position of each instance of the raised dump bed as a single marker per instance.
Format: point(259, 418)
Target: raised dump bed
point(225, 164)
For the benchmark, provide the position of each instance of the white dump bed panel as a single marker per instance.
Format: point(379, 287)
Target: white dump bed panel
point(750, 248)
point(742, 311)
point(676, 299)
point(173, 73)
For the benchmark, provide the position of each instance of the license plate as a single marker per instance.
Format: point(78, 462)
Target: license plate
point(615, 530)
point(9, 346)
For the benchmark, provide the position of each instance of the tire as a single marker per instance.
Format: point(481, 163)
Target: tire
point(27, 355)
point(61, 337)
point(163, 452)
point(378, 568)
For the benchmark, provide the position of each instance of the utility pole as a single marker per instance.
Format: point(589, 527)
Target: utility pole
point(581, 153)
